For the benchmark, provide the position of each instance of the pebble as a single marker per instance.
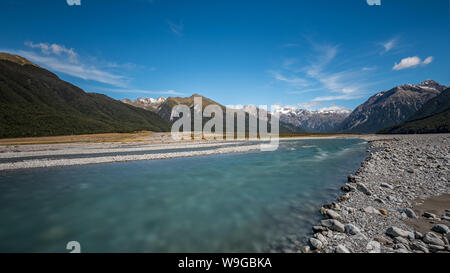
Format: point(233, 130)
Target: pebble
point(342, 249)
point(332, 214)
point(315, 243)
point(363, 188)
point(373, 247)
point(432, 239)
point(396, 232)
point(333, 224)
point(429, 215)
point(352, 229)
point(371, 210)
point(383, 180)
point(409, 212)
point(440, 228)
point(386, 185)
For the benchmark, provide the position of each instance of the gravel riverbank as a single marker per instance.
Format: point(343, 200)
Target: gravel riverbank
point(397, 202)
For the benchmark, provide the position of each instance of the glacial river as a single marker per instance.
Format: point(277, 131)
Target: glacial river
point(244, 202)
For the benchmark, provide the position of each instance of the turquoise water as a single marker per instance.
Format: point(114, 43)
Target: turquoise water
point(247, 202)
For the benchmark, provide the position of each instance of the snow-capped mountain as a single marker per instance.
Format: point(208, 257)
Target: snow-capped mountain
point(388, 108)
point(146, 103)
point(319, 121)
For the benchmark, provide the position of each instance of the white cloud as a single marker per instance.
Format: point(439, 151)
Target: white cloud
point(428, 60)
point(334, 108)
point(176, 28)
point(55, 49)
point(411, 62)
point(143, 91)
point(389, 45)
point(368, 68)
point(79, 70)
point(295, 81)
point(309, 105)
point(338, 97)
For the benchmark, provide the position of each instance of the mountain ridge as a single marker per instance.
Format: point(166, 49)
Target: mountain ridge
point(391, 107)
point(36, 102)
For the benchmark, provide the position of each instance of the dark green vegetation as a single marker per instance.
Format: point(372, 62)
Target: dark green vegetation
point(35, 102)
point(433, 117)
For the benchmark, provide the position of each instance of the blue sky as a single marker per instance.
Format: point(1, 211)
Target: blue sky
point(310, 54)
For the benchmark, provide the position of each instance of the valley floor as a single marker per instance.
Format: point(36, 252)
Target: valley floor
point(398, 201)
point(21, 153)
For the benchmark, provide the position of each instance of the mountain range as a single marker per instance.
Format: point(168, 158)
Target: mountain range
point(163, 107)
point(388, 108)
point(35, 102)
point(319, 121)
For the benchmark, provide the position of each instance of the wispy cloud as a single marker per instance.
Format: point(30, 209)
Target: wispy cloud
point(65, 60)
point(428, 60)
point(345, 81)
point(176, 28)
point(55, 49)
point(389, 45)
point(295, 81)
point(310, 105)
point(290, 45)
point(338, 97)
point(368, 68)
point(142, 91)
point(323, 75)
point(411, 62)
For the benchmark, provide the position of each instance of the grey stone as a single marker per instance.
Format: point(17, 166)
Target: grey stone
point(432, 239)
point(363, 188)
point(386, 185)
point(396, 232)
point(342, 249)
point(351, 178)
point(373, 247)
point(440, 228)
point(318, 229)
point(429, 215)
point(352, 229)
point(371, 210)
point(347, 188)
point(305, 249)
point(315, 243)
point(418, 235)
point(321, 238)
point(344, 197)
point(419, 245)
point(391, 198)
point(434, 248)
point(409, 212)
point(401, 240)
point(333, 224)
point(332, 214)
point(402, 250)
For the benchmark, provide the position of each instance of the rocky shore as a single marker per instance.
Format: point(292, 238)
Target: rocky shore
point(397, 202)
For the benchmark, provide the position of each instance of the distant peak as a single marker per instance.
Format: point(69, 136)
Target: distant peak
point(15, 59)
point(428, 83)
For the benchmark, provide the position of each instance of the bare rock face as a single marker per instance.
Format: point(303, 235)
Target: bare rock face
point(390, 107)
